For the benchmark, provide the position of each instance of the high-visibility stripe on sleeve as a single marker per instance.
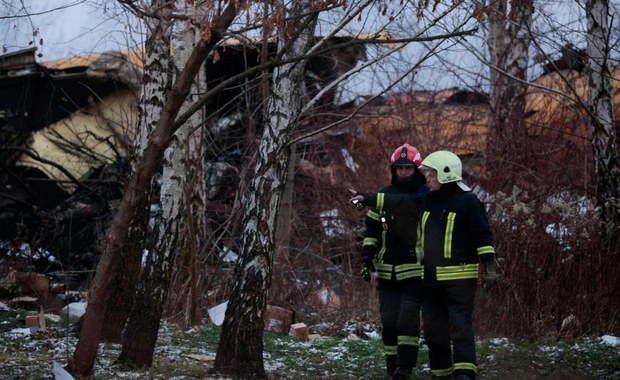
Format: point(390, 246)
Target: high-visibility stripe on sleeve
point(374, 215)
point(485, 249)
point(380, 200)
point(370, 241)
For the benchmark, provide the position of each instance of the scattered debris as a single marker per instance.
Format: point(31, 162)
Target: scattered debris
point(326, 299)
point(217, 313)
point(32, 321)
point(278, 319)
point(299, 331)
point(60, 373)
point(18, 282)
point(201, 358)
point(75, 309)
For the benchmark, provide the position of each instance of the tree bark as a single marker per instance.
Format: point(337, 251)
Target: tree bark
point(83, 360)
point(240, 349)
point(143, 326)
point(604, 139)
point(156, 84)
point(509, 41)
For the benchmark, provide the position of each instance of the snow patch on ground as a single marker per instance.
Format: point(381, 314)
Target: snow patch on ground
point(610, 340)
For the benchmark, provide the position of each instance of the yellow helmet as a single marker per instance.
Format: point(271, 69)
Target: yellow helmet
point(448, 166)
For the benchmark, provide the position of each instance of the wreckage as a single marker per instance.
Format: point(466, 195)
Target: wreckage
point(67, 129)
point(67, 126)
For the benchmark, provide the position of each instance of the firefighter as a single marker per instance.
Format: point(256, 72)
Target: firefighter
point(455, 240)
point(390, 241)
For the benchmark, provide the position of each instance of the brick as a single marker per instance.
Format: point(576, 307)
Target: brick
point(299, 331)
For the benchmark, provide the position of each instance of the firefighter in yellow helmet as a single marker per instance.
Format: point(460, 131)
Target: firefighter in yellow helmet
point(390, 240)
point(455, 241)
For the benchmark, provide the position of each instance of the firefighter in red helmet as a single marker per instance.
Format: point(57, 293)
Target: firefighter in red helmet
point(389, 241)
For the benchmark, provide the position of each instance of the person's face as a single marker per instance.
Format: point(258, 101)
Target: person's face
point(404, 171)
point(431, 179)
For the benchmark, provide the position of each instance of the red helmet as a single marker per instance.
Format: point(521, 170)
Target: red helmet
point(406, 155)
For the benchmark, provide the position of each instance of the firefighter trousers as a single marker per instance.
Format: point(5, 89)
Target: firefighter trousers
point(400, 304)
point(447, 315)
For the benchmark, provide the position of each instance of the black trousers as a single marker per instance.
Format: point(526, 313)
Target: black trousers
point(400, 304)
point(447, 315)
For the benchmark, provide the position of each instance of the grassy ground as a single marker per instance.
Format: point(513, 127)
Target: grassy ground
point(189, 355)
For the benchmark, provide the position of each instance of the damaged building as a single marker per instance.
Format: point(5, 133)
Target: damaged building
point(67, 127)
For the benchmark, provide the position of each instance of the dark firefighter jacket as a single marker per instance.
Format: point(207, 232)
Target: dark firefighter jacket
point(391, 238)
point(453, 233)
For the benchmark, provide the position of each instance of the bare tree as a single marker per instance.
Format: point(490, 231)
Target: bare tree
point(85, 354)
point(604, 139)
point(140, 333)
point(509, 40)
point(240, 350)
point(181, 181)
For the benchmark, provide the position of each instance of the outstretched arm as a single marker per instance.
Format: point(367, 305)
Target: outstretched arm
point(393, 203)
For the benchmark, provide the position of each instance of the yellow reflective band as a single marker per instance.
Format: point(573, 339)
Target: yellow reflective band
point(390, 350)
point(410, 274)
point(380, 200)
point(408, 340)
point(442, 372)
point(384, 271)
point(370, 241)
point(419, 247)
point(405, 271)
point(457, 272)
point(384, 267)
point(447, 239)
point(383, 247)
point(404, 267)
point(485, 249)
point(467, 366)
point(374, 215)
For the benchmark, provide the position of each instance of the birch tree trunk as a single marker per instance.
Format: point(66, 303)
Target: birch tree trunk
point(156, 85)
point(240, 349)
point(83, 360)
point(509, 41)
point(604, 139)
point(142, 329)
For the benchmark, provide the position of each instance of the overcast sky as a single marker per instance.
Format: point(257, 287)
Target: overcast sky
point(66, 28)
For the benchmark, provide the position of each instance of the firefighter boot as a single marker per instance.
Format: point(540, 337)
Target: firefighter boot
point(402, 373)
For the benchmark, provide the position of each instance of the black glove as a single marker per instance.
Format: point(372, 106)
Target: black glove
point(364, 202)
point(369, 267)
point(489, 274)
point(357, 203)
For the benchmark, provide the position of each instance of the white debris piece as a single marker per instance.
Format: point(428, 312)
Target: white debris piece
point(60, 373)
point(216, 313)
point(24, 331)
point(75, 309)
